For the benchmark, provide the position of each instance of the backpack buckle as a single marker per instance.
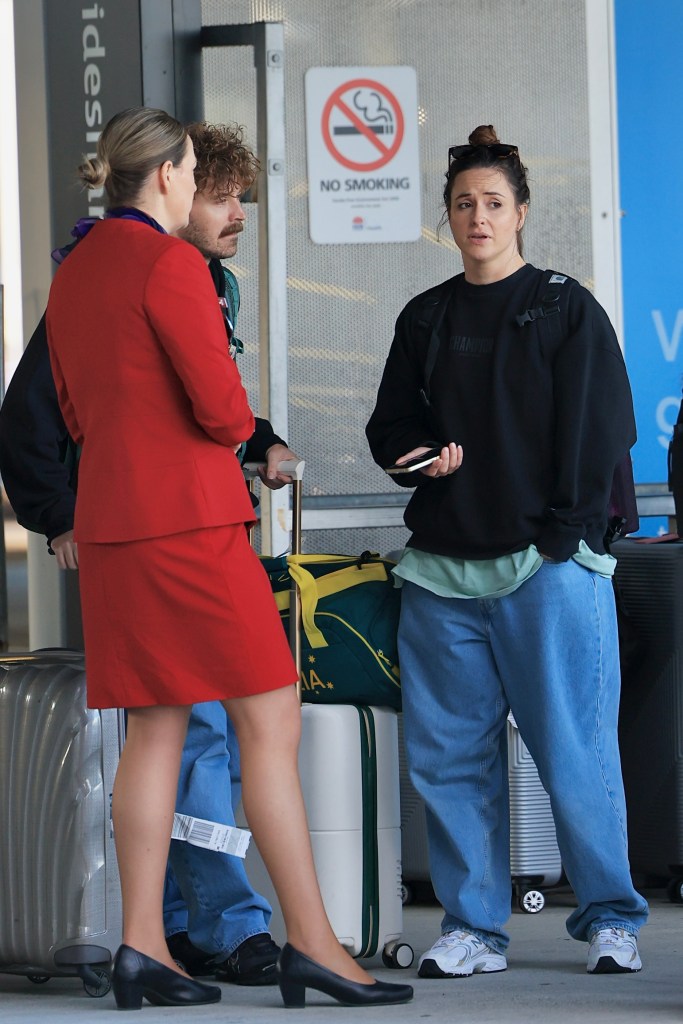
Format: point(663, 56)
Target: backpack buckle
point(549, 307)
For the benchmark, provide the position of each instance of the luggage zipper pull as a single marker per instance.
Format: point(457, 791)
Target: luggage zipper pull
point(382, 656)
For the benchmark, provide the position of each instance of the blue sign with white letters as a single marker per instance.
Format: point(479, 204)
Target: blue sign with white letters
point(649, 34)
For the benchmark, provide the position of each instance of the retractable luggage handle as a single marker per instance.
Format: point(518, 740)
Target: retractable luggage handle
point(294, 468)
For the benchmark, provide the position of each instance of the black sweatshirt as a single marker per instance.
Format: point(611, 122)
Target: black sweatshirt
point(543, 415)
point(38, 459)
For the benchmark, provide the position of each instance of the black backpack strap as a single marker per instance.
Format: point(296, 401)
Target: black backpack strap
point(622, 510)
point(549, 302)
point(435, 309)
point(552, 295)
point(430, 320)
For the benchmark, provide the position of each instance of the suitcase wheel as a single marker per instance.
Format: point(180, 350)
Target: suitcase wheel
point(531, 901)
point(674, 890)
point(96, 981)
point(38, 979)
point(407, 894)
point(397, 954)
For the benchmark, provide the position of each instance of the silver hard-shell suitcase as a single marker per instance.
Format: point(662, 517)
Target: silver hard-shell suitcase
point(60, 903)
point(535, 861)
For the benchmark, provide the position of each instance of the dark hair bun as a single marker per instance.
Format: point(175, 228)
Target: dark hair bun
point(484, 135)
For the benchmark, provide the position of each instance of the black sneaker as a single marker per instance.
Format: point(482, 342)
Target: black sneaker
point(252, 963)
point(192, 959)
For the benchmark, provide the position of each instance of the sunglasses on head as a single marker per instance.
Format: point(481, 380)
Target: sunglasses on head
point(499, 149)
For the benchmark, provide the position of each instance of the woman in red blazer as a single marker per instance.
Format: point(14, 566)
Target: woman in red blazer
point(176, 607)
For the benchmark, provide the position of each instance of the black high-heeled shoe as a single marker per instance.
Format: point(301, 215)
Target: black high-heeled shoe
point(135, 975)
point(297, 972)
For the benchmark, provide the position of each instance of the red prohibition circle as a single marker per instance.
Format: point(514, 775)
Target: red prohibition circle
point(335, 100)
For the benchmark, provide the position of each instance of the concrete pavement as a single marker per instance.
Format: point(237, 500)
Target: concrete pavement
point(546, 982)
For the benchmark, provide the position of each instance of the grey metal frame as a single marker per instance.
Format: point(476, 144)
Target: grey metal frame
point(604, 161)
point(267, 39)
point(171, 56)
point(386, 510)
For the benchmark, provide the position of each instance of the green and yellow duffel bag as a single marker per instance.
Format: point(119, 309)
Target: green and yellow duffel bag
point(349, 626)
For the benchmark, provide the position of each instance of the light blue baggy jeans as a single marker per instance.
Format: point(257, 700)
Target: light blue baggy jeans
point(548, 651)
point(220, 908)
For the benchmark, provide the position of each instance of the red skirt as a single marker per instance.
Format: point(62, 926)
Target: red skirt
point(180, 619)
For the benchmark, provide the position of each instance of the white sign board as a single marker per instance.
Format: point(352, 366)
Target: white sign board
point(363, 159)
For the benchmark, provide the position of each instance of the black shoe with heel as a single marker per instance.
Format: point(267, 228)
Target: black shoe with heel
point(297, 972)
point(135, 976)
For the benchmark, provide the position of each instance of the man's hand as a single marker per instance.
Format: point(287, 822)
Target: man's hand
point(269, 473)
point(66, 550)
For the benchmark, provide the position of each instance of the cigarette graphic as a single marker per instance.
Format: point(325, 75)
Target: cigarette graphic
point(376, 129)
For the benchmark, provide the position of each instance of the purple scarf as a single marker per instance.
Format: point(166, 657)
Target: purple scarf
point(83, 226)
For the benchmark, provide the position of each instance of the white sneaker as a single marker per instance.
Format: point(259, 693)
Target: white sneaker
point(613, 951)
point(459, 954)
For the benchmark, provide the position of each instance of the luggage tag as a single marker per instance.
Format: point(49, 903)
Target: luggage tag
point(210, 835)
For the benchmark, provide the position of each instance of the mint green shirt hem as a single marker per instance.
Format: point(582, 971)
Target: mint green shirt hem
point(491, 577)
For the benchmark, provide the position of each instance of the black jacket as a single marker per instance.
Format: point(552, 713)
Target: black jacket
point(544, 417)
point(39, 460)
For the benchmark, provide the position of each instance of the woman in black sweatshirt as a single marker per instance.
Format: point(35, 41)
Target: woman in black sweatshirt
point(516, 377)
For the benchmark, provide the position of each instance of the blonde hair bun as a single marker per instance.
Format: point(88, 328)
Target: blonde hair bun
point(134, 143)
point(93, 172)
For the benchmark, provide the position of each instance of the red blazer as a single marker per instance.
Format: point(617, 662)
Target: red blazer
point(146, 386)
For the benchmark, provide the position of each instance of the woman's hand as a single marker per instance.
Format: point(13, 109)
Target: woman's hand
point(449, 460)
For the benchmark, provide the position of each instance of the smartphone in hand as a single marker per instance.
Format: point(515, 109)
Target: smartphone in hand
point(425, 459)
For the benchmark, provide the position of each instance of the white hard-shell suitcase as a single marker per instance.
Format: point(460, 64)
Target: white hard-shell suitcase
point(348, 764)
point(535, 861)
point(60, 903)
point(348, 761)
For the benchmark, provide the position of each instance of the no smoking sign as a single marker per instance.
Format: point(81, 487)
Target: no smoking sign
point(362, 125)
point(362, 148)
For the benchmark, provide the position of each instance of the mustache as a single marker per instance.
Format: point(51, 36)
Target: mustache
point(234, 229)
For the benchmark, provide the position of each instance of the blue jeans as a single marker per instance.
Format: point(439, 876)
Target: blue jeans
point(220, 909)
point(548, 651)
